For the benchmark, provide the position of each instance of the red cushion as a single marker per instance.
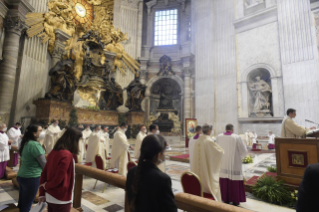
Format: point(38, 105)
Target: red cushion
point(109, 158)
point(208, 196)
point(112, 171)
point(130, 165)
point(99, 162)
point(87, 164)
point(191, 184)
point(184, 156)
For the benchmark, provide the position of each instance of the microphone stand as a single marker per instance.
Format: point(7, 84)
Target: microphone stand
point(307, 120)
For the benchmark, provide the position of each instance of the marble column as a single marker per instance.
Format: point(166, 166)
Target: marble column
point(14, 28)
point(187, 93)
point(60, 38)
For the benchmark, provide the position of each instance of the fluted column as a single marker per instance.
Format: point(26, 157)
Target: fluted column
point(187, 93)
point(14, 28)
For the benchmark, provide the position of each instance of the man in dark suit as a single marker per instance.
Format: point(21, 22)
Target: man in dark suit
point(308, 192)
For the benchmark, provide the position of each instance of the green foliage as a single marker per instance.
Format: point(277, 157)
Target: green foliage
point(248, 159)
point(122, 118)
point(272, 169)
point(270, 190)
point(95, 108)
point(73, 121)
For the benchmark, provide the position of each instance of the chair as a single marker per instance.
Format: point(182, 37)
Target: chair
point(130, 158)
point(130, 164)
point(100, 165)
point(192, 185)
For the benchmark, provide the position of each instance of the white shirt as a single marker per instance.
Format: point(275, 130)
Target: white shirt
point(4, 148)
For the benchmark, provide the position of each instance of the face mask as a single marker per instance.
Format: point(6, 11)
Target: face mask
point(42, 135)
point(161, 161)
point(157, 132)
point(4, 129)
point(125, 129)
point(145, 131)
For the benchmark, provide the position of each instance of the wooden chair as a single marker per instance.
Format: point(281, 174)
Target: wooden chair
point(130, 164)
point(192, 185)
point(100, 165)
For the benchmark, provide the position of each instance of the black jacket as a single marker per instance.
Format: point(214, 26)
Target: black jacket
point(308, 192)
point(155, 191)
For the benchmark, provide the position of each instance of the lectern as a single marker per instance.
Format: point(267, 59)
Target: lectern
point(293, 156)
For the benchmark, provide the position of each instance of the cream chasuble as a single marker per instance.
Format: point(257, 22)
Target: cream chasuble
point(290, 129)
point(41, 139)
point(119, 158)
point(206, 163)
point(138, 143)
point(50, 137)
point(95, 146)
point(107, 142)
point(81, 150)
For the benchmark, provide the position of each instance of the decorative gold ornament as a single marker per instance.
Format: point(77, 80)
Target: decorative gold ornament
point(80, 10)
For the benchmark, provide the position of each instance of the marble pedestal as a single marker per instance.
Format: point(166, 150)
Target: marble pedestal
point(135, 118)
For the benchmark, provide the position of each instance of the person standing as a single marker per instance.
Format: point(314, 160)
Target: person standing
point(33, 161)
point(86, 134)
point(57, 178)
point(154, 129)
point(119, 156)
point(231, 173)
point(43, 134)
point(95, 145)
point(15, 136)
point(192, 142)
point(148, 188)
point(139, 138)
point(81, 145)
point(107, 140)
point(290, 129)
point(53, 133)
point(271, 140)
point(206, 162)
point(4, 149)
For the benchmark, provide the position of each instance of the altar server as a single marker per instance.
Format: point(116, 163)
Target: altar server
point(107, 140)
point(119, 157)
point(271, 140)
point(14, 134)
point(206, 162)
point(139, 138)
point(95, 145)
point(81, 145)
point(4, 149)
point(231, 173)
point(53, 133)
point(192, 140)
point(290, 129)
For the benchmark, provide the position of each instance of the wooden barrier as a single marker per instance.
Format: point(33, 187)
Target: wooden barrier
point(186, 202)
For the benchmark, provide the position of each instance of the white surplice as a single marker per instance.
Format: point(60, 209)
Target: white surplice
point(271, 139)
point(95, 146)
point(206, 163)
point(290, 129)
point(138, 143)
point(254, 138)
point(4, 148)
point(51, 138)
point(119, 157)
point(14, 136)
point(235, 150)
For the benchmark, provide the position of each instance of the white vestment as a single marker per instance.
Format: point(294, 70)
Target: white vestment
point(254, 137)
point(119, 157)
point(235, 150)
point(41, 140)
point(86, 134)
point(206, 162)
point(271, 139)
point(4, 148)
point(290, 129)
point(138, 143)
point(51, 138)
point(107, 143)
point(191, 146)
point(81, 150)
point(95, 146)
point(14, 136)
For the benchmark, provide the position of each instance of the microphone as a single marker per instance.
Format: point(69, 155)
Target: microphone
point(307, 120)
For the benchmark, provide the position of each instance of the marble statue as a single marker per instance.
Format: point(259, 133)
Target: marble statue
point(261, 91)
point(113, 95)
point(165, 66)
point(135, 95)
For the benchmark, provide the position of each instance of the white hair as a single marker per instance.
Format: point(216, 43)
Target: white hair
point(207, 127)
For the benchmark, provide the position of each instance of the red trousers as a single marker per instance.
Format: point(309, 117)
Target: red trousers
point(59, 207)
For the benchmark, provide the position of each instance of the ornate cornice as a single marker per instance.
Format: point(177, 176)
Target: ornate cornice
point(3, 9)
point(61, 36)
point(150, 4)
point(183, 3)
point(133, 4)
point(58, 52)
point(19, 8)
point(15, 25)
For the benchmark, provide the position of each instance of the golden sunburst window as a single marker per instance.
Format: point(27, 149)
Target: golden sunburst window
point(83, 12)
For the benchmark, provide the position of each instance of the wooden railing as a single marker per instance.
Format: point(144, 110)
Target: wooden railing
point(186, 202)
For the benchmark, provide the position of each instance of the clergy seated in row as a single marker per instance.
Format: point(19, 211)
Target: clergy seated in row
point(139, 138)
point(95, 145)
point(154, 130)
point(53, 133)
point(192, 141)
point(290, 129)
point(119, 156)
point(206, 162)
point(4, 149)
point(15, 136)
point(231, 174)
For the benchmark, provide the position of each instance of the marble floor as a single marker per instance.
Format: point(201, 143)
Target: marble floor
point(112, 200)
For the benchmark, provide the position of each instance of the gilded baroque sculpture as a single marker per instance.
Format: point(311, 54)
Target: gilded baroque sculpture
point(135, 95)
point(261, 92)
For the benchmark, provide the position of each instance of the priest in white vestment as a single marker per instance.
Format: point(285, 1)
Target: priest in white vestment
point(119, 156)
point(290, 129)
point(81, 145)
point(95, 145)
point(14, 134)
point(53, 133)
point(86, 134)
point(4, 149)
point(107, 141)
point(231, 174)
point(206, 162)
point(271, 140)
point(191, 143)
point(155, 130)
point(138, 143)
point(41, 137)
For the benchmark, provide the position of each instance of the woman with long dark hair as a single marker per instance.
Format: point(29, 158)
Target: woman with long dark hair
point(148, 188)
point(57, 179)
point(33, 160)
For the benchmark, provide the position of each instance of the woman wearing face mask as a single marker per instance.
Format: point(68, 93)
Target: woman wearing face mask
point(148, 188)
point(33, 161)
